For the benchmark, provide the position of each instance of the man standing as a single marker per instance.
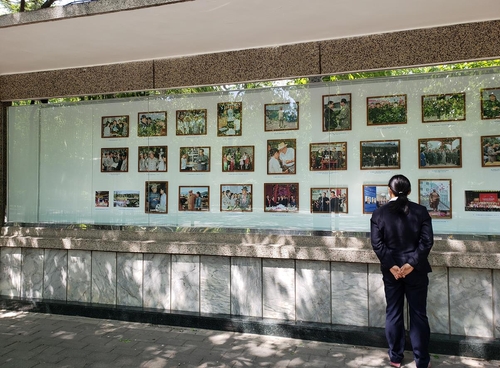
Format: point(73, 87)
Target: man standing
point(329, 117)
point(287, 157)
point(434, 200)
point(334, 202)
point(274, 165)
point(202, 161)
point(491, 107)
point(343, 117)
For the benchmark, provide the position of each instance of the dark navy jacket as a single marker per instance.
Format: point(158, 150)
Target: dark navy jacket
point(398, 238)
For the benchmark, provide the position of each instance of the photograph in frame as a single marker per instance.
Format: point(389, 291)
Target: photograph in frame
point(337, 112)
point(435, 196)
point(102, 199)
point(329, 200)
point(440, 153)
point(238, 158)
point(194, 198)
point(386, 110)
point(380, 155)
point(114, 160)
point(115, 126)
point(229, 119)
point(152, 124)
point(374, 196)
point(490, 145)
point(236, 197)
point(444, 107)
point(482, 200)
point(328, 156)
point(281, 116)
point(281, 197)
point(281, 156)
point(152, 158)
point(156, 197)
point(194, 159)
point(490, 103)
point(191, 122)
point(126, 198)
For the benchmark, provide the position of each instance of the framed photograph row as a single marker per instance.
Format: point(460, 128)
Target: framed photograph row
point(434, 194)
point(284, 116)
point(442, 152)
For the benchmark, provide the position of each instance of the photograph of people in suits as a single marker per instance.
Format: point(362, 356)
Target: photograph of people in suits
point(329, 200)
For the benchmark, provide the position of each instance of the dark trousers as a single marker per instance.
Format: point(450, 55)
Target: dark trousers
point(414, 287)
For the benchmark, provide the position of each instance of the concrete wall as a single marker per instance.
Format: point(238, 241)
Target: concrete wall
point(461, 301)
point(324, 279)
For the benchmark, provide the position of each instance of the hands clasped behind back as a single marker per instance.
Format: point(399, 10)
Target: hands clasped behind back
point(401, 272)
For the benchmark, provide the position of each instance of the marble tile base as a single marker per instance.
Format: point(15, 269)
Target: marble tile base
point(186, 283)
point(246, 287)
point(278, 289)
point(470, 293)
point(55, 274)
point(313, 291)
point(32, 283)
point(215, 285)
point(104, 277)
point(129, 279)
point(349, 294)
point(157, 281)
point(10, 271)
point(79, 278)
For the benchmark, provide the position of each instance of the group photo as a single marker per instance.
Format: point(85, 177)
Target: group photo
point(281, 197)
point(191, 122)
point(114, 126)
point(384, 110)
point(152, 158)
point(440, 153)
point(236, 197)
point(237, 158)
point(380, 155)
point(329, 200)
point(114, 159)
point(194, 198)
point(152, 124)
point(328, 156)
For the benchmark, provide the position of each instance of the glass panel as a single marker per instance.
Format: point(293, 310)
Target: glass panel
point(23, 160)
point(311, 157)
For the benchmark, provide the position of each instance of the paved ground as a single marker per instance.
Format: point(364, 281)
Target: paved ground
point(43, 340)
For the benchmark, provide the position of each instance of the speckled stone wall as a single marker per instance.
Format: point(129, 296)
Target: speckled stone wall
point(136, 76)
point(239, 66)
point(383, 51)
point(441, 45)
